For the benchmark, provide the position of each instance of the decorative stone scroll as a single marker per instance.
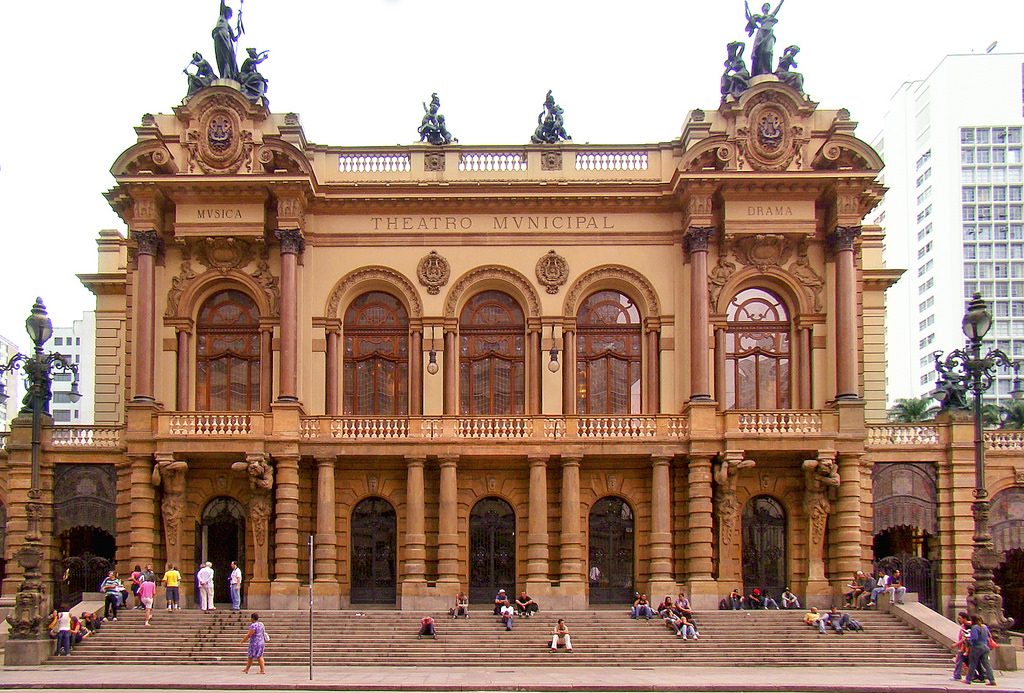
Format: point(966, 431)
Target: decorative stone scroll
point(433, 271)
point(763, 250)
point(552, 271)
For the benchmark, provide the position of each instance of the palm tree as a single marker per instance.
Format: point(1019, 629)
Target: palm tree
point(1011, 415)
point(912, 410)
point(992, 416)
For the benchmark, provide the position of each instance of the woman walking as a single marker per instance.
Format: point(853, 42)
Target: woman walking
point(256, 637)
point(978, 665)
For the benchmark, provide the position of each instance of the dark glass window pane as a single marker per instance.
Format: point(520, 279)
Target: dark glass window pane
point(757, 352)
point(228, 353)
point(492, 358)
point(376, 360)
point(608, 331)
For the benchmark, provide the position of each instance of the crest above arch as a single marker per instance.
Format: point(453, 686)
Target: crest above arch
point(373, 278)
point(618, 277)
point(770, 279)
point(493, 277)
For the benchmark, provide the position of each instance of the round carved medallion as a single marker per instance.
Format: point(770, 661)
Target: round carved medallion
point(552, 271)
point(433, 272)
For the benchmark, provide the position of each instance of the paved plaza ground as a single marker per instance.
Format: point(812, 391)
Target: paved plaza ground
point(653, 677)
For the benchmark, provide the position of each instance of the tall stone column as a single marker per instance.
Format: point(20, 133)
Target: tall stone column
point(170, 474)
point(843, 240)
point(331, 401)
point(572, 567)
point(662, 581)
point(451, 405)
point(720, 393)
point(148, 245)
point(266, 367)
point(653, 385)
point(325, 547)
point(700, 534)
point(821, 476)
point(727, 508)
point(285, 585)
point(696, 241)
point(568, 371)
point(292, 245)
point(447, 526)
point(844, 529)
point(415, 527)
point(537, 537)
point(181, 400)
point(260, 474)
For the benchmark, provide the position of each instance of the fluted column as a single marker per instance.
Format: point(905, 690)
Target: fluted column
point(284, 588)
point(653, 386)
point(181, 400)
point(148, 245)
point(331, 406)
point(266, 367)
point(447, 523)
point(661, 525)
point(843, 240)
point(325, 547)
point(699, 519)
point(844, 528)
point(537, 537)
point(696, 241)
point(415, 534)
point(720, 393)
point(571, 568)
point(292, 245)
point(416, 372)
point(450, 375)
point(568, 371)
point(804, 378)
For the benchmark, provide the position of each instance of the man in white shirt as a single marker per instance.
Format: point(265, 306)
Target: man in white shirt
point(205, 577)
point(235, 586)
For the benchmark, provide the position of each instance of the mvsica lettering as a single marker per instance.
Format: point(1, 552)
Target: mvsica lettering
point(218, 213)
point(769, 211)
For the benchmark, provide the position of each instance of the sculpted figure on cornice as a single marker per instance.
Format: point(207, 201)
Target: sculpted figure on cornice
point(802, 270)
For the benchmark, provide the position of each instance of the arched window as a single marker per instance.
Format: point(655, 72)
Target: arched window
point(376, 356)
point(757, 352)
point(608, 335)
point(492, 363)
point(228, 353)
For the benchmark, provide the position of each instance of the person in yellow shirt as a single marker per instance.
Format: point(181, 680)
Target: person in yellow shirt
point(812, 617)
point(172, 579)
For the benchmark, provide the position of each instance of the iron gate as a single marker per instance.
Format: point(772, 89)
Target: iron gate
point(374, 532)
point(611, 552)
point(764, 546)
point(78, 574)
point(492, 550)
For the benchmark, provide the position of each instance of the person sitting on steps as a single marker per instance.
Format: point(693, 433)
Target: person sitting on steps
point(755, 600)
point(666, 607)
point(812, 617)
point(642, 608)
point(789, 600)
point(461, 607)
point(561, 631)
point(500, 600)
point(897, 590)
point(427, 627)
point(681, 625)
point(507, 614)
point(525, 606)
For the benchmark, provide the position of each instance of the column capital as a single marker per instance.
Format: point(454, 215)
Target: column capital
point(696, 238)
point(448, 460)
point(572, 460)
point(415, 460)
point(661, 460)
point(325, 460)
point(843, 238)
point(292, 241)
point(148, 242)
point(538, 460)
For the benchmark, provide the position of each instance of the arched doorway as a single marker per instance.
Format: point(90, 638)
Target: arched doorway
point(1007, 523)
point(764, 545)
point(374, 542)
point(492, 550)
point(220, 539)
point(611, 551)
point(84, 518)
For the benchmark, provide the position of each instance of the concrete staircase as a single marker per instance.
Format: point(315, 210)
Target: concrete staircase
point(604, 638)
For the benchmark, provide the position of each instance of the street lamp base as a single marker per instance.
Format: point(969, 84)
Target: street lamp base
point(27, 653)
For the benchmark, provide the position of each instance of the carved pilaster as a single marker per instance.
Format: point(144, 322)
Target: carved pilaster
point(727, 510)
point(260, 473)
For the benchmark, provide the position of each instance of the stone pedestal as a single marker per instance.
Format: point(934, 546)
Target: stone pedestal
point(258, 594)
point(704, 594)
point(27, 653)
point(284, 594)
point(326, 594)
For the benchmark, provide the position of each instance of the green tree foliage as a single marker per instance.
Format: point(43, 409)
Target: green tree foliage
point(1011, 415)
point(913, 410)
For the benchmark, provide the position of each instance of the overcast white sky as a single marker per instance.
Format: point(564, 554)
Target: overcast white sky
point(77, 76)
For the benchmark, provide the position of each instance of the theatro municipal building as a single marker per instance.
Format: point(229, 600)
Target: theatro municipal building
point(582, 370)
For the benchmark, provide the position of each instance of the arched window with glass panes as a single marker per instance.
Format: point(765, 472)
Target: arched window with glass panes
point(757, 346)
point(376, 359)
point(492, 361)
point(608, 373)
point(228, 353)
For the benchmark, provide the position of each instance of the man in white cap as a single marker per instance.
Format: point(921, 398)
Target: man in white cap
point(499, 601)
point(205, 577)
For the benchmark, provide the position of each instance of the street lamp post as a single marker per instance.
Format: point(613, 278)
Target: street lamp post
point(962, 370)
point(28, 615)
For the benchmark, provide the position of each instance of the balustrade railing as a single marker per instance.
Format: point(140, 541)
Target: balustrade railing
point(612, 161)
point(487, 427)
point(85, 437)
point(617, 427)
point(779, 422)
point(1004, 440)
point(901, 435)
point(374, 163)
point(211, 424)
point(492, 161)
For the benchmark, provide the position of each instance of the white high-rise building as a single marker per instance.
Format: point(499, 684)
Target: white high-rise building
point(79, 343)
point(954, 215)
point(12, 385)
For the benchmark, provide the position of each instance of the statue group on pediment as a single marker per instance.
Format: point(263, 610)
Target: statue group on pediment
point(225, 37)
point(736, 78)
